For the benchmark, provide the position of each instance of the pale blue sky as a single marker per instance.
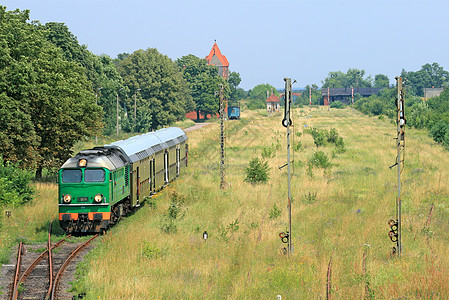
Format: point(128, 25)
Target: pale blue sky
point(263, 40)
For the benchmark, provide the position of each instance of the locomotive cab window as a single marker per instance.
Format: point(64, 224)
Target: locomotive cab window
point(71, 176)
point(94, 175)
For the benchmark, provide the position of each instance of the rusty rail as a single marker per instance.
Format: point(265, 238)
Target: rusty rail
point(16, 282)
point(66, 263)
point(50, 265)
point(32, 266)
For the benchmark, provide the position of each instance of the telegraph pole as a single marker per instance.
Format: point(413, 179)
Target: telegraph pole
point(395, 226)
point(222, 137)
point(310, 96)
point(287, 122)
point(96, 102)
point(135, 109)
point(117, 108)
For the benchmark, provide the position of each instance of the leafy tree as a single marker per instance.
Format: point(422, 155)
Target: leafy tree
point(314, 91)
point(164, 96)
point(203, 80)
point(234, 81)
point(100, 70)
point(430, 75)
point(257, 171)
point(381, 81)
point(51, 96)
point(353, 77)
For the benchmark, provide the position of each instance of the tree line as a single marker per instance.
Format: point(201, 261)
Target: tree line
point(54, 91)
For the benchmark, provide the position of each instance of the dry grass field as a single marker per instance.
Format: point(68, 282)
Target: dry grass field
point(338, 214)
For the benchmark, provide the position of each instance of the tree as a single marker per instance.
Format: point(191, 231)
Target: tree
point(100, 70)
point(352, 78)
point(304, 99)
point(430, 75)
point(234, 81)
point(381, 81)
point(51, 96)
point(203, 80)
point(164, 96)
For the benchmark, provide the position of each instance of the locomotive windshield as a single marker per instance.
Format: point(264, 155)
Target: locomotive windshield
point(71, 176)
point(93, 175)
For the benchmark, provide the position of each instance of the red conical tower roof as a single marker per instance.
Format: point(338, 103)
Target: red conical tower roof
point(216, 51)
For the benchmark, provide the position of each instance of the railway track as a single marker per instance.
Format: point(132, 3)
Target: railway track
point(44, 280)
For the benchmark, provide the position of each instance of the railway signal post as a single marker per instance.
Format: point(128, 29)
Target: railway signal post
point(395, 225)
point(222, 137)
point(287, 122)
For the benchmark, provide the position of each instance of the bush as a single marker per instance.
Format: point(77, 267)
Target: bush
point(319, 159)
point(275, 212)
point(14, 184)
point(319, 137)
point(174, 213)
point(336, 104)
point(332, 136)
point(439, 131)
point(257, 171)
point(340, 145)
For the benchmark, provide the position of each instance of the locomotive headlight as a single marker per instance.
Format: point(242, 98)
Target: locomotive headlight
point(67, 198)
point(98, 198)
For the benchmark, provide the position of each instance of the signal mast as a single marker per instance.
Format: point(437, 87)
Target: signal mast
point(395, 225)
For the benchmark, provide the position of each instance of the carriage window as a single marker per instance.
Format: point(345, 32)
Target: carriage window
point(71, 176)
point(93, 175)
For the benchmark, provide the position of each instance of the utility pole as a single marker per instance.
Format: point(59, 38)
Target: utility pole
point(287, 122)
point(352, 94)
point(96, 102)
point(222, 137)
point(310, 96)
point(117, 107)
point(135, 109)
point(395, 226)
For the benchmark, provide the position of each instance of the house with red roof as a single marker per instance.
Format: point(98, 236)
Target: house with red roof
point(273, 103)
point(217, 59)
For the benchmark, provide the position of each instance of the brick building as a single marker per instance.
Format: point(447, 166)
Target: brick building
point(217, 59)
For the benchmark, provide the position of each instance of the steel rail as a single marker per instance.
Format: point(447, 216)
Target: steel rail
point(15, 283)
point(50, 265)
point(33, 265)
point(66, 263)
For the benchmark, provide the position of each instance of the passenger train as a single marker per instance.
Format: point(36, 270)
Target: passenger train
point(98, 186)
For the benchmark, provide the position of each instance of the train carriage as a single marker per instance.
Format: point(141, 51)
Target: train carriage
point(99, 185)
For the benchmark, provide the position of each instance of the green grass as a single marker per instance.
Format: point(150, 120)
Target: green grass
point(340, 212)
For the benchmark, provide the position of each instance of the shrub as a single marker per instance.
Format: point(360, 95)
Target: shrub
point(319, 159)
point(275, 212)
point(340, 145)
point(257, 171)
point(439, 130)
point(336, 104)
point(319, 137)
point(332, 136)
point(14, 184)
point(298, 146)
point(268, 152)
point(174, 213)
point(150, 250)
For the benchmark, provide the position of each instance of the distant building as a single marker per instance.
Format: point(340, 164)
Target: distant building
point(432, 92)
point(217, 59)
point(273, 103)
point(344, 95)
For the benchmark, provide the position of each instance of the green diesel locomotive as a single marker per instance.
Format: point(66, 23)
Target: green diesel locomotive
point(100, 185)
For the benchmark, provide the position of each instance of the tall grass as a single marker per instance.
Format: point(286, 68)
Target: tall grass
point(338, 213)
